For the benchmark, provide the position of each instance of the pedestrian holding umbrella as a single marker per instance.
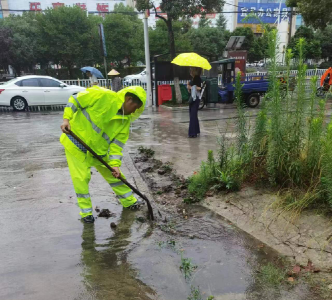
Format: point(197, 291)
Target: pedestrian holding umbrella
point(197, 63)
point(93, 74)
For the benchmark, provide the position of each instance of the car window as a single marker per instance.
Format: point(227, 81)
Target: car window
point(33, 82)
point(49, 82)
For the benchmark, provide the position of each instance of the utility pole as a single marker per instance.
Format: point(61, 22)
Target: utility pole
point(147, 57)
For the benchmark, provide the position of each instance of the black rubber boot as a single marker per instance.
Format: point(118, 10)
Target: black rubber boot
point(89, 219)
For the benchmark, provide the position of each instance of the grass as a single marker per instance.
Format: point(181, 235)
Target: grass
point(187, 267)
point(195, 294)
point(270, 275)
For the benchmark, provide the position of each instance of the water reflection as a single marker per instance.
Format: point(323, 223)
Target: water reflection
point(107, 274)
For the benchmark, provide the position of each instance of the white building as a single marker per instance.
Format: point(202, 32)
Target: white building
point(100, 6)
point(229, 6)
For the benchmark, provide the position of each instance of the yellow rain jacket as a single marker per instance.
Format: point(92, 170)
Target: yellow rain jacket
point(94, 116)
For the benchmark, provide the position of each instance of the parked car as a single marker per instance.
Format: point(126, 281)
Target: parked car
point(261, 64)
point(31, 90)
point(135, 78)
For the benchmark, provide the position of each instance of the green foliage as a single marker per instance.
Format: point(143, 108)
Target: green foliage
point(180, 8)
point(5, 45)
point(187, 267)
point(270, 275)
point(221, 22)
point(22, 41)
point(204, 22)
point(159, 41)
point(208, 40)
point(316, 13)
point(325, 38)
point(147, 152)
point(63, 45)
point(312, 48)
point(120, 41)
point(241, 123)
point(257, 46)
point(195, 294)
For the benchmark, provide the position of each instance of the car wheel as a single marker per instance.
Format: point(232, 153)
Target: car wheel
point(201, 103)
point(253, 100)
point(19, 104)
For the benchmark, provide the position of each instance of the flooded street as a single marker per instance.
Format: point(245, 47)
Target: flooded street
point(48, 253)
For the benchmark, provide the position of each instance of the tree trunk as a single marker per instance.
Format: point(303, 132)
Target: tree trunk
point(173, 54)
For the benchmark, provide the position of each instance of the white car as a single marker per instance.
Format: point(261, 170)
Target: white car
point(25, 91)
point(135, 79)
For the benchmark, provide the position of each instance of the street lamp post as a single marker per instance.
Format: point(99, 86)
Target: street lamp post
point(147, 57)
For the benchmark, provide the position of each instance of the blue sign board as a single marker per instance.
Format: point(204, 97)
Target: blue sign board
point(266, 12)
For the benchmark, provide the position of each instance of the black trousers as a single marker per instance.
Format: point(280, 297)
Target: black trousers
point(194, 123)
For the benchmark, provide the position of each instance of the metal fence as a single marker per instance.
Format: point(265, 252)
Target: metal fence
point(102, 82)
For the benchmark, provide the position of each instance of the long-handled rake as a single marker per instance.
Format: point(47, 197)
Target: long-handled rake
point(136, 191)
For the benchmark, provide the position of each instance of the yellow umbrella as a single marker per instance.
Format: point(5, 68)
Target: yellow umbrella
point(191, 60)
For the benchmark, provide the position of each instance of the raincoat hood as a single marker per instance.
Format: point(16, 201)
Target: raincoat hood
point(140, 93)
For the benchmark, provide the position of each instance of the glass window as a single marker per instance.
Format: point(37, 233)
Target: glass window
point(30, 82)
point(49, 82)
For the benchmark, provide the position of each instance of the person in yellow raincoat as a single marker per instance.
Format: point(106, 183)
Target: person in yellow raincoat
point(101, 118)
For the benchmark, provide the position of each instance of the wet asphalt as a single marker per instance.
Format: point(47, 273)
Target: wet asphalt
point(47, 253)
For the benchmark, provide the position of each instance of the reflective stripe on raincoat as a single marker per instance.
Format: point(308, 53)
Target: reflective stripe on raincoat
point(93, 116)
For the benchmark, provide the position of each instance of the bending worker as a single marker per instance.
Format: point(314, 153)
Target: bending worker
point(101, 118)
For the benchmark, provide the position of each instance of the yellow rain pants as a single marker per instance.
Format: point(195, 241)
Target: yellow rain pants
point(81, 174)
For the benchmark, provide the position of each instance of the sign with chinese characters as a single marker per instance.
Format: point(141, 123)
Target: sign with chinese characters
point(81, 5)
point(35, 6)
point(240, 60)
point(266, 12)
point(57, 4)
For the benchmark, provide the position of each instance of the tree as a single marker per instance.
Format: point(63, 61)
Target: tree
point(325, 39)
point(23, 49)
point(159, 37)
point(176, 9)
point(68, 37)
point(5, 45)
point(208, 40)
point(120, 41)
point(316, 13)
point(204, 22)
point(256, 46)
point(221, 22)
point(312, 47)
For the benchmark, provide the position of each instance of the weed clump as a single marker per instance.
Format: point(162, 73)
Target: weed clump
point(269, 275)
point(147, 152)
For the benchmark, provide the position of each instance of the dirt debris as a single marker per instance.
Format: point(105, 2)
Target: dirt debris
point(105, 213)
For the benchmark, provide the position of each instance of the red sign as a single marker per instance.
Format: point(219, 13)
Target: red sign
point(102, 7)
point(160, 13)
point(35, 6)
point(81, 5)
point(58, 4)
point(240, 61)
